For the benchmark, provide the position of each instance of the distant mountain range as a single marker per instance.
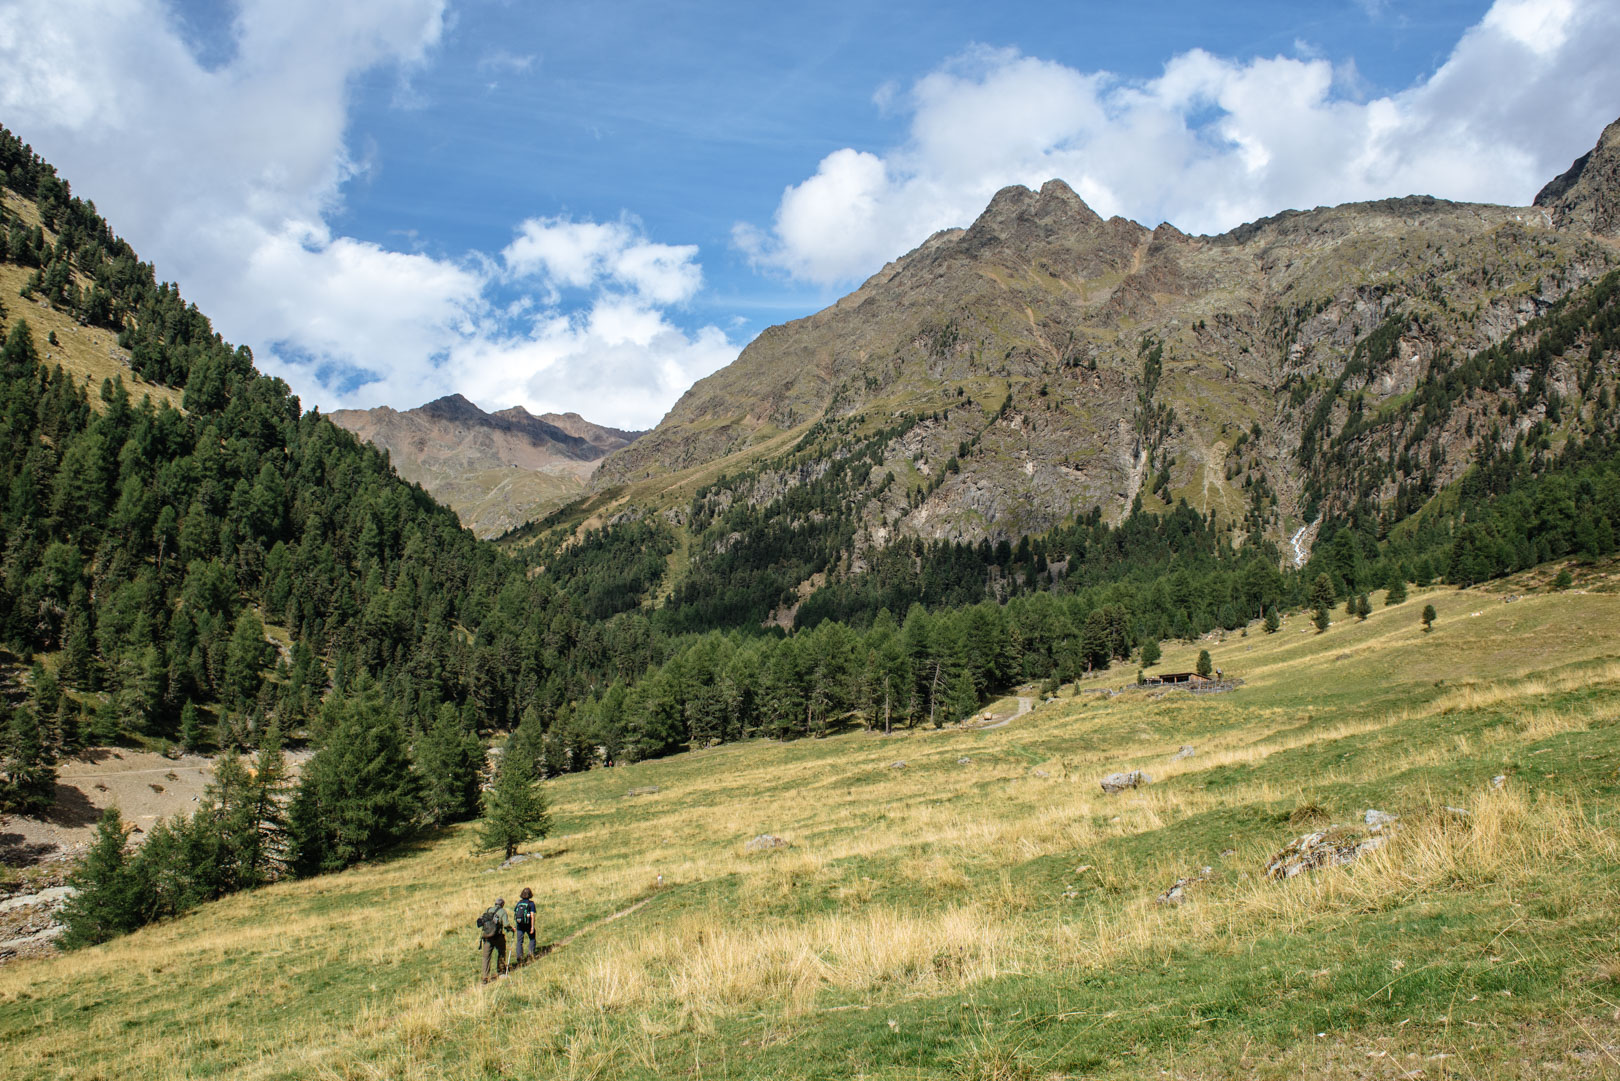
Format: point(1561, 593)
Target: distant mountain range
point(496, 470)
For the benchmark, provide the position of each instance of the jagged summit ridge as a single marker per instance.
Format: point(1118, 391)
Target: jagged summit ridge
point(496, 470)
point(1586, 196)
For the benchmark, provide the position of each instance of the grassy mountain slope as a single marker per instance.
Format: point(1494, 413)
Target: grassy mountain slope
point(984, 911)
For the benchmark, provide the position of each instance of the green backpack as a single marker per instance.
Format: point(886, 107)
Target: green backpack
point(489, 924)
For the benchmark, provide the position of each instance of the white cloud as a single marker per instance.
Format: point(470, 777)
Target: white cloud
point(584, 253)
point(1211, 142)
point(227, 178)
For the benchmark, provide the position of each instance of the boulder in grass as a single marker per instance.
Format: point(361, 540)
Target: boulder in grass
point(1376, 820)
point(645, 790)
point(1177, 893)
point(1120, 782)
point(1185, 752)
point(764, 843)
point(1323, 848)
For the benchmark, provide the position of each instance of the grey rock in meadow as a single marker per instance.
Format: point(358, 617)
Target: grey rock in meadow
point(899, 764)
point(764, 843)
point(1185, 752)
point(1376, 820)
point(1499, 780)
point(1334, 845)
point(1120, 782)
point(645, 790)
point(964, 760)
point(1177, 893)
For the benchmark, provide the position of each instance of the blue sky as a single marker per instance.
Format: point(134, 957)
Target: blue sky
point(588, 206)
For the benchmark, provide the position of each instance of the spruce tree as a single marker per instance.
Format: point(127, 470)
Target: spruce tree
point(515, 808)
point(266, 855)
point(105, 904)
point(1322, 592)
point(1150, 653)
point(964, 697)
point(191, 730)
point(1428, 618)
point(1397, 592)
point(1206, 667)
point(448, 759)
point(357, 795)
point(1363, 606)
point(244, 660)
point(1272, 622)
point(27, 777)
point(1322, 620)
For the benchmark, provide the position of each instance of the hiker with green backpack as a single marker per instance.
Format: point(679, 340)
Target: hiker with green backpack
point(492, 928)
point(523, 916)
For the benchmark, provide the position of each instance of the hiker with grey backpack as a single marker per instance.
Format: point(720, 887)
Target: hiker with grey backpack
point(492, 928)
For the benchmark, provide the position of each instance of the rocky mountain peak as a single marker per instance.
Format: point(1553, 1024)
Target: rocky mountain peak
point(453, 407)
point(1019, 215)
point(1586, 196)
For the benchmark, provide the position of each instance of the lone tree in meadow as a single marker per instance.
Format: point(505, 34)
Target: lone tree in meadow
point(1206, 667)
point(1564, 580)
point(1272, 622)
point(1363, 606)
point(1150, 653)
point(1397, 592)
point(1428, 618)
point(515, 809)
point(1322, 620)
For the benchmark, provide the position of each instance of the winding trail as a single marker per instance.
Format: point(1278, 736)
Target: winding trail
point(553, 947)
point(1024, 706)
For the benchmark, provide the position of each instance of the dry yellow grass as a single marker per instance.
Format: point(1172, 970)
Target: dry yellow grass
point(899, 885)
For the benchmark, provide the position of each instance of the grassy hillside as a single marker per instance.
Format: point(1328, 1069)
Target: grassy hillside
point(984, 911)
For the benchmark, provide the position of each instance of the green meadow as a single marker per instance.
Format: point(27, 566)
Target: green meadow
point(969, 903)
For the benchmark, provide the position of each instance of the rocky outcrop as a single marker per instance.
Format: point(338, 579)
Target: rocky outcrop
point(496, 470)
point(1335, 845)
point(1586, 197)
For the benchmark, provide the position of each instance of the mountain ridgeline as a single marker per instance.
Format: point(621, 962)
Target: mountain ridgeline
point(1026, 451)
point(496, 470)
